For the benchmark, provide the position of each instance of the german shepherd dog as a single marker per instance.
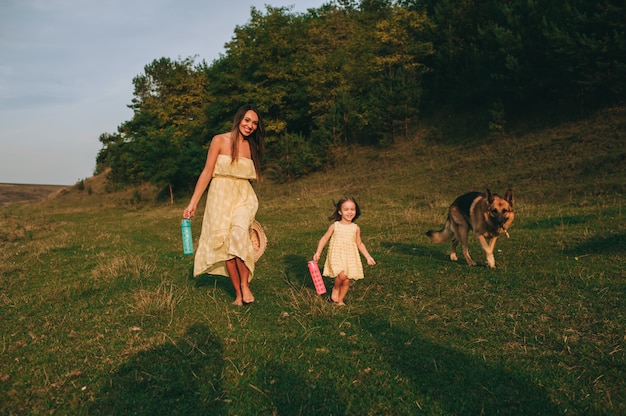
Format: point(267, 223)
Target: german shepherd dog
point(487, 214)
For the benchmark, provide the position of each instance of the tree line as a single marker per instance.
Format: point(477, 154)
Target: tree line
point(362, 73)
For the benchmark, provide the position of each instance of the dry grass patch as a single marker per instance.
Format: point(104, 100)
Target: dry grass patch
point(158, 302)
point(123, 267)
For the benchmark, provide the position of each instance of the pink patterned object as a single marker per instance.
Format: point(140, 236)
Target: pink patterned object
point(318, 282)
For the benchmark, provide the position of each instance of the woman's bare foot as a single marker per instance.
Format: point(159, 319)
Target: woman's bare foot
point(248, 297)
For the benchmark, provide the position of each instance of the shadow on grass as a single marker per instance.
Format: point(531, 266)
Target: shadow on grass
point(292, 394)
point(604, 244)
point(214, 280)
point(417, 250)
point(165, 380)
point(555, 222)
point(297, 272)
point(455, 382)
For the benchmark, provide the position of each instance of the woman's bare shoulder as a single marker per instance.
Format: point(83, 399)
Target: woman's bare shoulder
point(221, 141)
point(221, 138)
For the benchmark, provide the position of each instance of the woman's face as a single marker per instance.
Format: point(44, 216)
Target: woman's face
point(249, 123)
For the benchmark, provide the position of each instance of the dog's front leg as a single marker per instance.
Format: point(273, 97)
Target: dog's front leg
point(461, 231)
point(466, 252)
point(488, 246)
point(467, 256)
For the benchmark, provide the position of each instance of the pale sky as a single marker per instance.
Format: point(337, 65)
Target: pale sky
point(66, 71)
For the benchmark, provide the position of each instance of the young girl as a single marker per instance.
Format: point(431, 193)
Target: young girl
point(343, 261)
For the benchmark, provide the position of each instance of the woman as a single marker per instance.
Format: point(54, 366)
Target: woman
point(232, 162)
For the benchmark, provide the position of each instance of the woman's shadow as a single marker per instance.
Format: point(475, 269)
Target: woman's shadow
point(181, 377)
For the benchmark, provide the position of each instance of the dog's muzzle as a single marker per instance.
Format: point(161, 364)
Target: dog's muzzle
point(499, 221)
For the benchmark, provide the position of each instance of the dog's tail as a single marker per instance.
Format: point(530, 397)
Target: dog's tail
point(441, 236)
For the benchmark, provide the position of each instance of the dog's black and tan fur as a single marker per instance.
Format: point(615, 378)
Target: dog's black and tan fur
point(487, 214)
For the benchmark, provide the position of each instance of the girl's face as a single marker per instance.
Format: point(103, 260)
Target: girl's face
point(249, 123)
point(347, 211)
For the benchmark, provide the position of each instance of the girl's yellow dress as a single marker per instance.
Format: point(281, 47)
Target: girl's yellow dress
point(231, 206)
point(343, 254)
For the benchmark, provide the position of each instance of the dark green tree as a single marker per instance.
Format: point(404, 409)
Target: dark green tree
point(400, 66)
point(361, 72)
point(169, 116)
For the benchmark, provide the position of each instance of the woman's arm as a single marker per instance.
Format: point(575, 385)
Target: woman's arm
point(215, 149)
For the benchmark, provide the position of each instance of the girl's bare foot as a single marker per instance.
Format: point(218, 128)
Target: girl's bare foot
point(341, 304)
point(238, 302)
point(334, 295)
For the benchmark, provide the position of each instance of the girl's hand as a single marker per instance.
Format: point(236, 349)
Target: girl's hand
point(316, 257)
point(370, 261)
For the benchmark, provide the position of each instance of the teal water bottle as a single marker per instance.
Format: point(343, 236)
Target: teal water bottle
point(187, 237)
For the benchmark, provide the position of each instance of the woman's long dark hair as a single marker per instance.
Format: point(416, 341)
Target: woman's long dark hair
point(256, 139)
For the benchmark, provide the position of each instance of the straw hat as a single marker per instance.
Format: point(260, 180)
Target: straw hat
point(258, 238)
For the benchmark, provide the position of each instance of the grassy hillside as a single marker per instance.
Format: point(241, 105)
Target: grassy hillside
point(11, 193)
point(99, 315)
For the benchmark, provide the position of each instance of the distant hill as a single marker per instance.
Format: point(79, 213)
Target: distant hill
point(11, 193)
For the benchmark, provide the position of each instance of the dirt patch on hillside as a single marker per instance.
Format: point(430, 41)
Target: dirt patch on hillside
point(15, 193)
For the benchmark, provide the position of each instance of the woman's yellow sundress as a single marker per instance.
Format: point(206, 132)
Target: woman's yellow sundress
point(343, 253)
point(231, 206)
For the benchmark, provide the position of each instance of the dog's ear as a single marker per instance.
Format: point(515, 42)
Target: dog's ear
point(508, 196)
point(489, 196)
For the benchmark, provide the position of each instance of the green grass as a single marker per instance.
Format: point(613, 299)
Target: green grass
point(99, 315)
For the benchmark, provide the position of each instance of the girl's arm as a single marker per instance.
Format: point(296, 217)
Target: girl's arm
point(205, 176)
point(362, 248)
point(323, 241)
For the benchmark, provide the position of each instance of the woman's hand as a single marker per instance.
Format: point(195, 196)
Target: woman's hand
point(190, 211)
